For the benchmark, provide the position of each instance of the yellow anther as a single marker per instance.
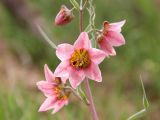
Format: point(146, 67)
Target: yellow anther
point(60, 93)
point(80, 59)
point(57, 89)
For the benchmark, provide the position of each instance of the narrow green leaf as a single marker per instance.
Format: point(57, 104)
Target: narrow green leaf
point(75, 4)
point(88, 28)
point(92, 14)
point(93, 39)
point(137, 115)
point(46, 38)
point(145, 104)
point(81, 4)
point(83, 95)
point(145, 101)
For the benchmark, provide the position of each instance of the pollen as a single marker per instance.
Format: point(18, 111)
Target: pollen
point(80, 59)
point(60, 93)
point(57, 89)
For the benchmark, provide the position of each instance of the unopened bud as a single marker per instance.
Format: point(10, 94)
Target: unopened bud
point(64, 16)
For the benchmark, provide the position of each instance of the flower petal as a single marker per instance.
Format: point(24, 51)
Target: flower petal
point(116, 26)
point(59, 105)
point(64, 51)
point(48, 74)
point(83, 41)
point(62, 69)
point(115, 38)
point(106, 47)
point(97, 56)
point(93, 72)
point(76, 77)
point(46, 88)
point(47, 104)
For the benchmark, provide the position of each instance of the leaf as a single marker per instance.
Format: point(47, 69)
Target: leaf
point(81, 4)
point(92, 14)
point(48, 40)
point(137, 115)
point(145, 104)
point(93, 39)
point(145, 101)
point(91, 27)
point(88, 28)
point(83, 95)
point(75, 4)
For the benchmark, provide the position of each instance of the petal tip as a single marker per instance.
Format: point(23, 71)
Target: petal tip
point(41, 110)
point(113, 54)
point(123, 22)
point(46, 68)
point(100, 80)
point(45, 65)
point(38, 83)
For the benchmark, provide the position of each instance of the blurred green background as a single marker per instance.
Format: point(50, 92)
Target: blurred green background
point(23, 54)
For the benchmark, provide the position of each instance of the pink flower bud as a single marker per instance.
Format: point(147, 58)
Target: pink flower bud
point(64, 16)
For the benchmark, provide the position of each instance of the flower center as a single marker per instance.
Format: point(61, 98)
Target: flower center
point(61, 94)
point(80, 59)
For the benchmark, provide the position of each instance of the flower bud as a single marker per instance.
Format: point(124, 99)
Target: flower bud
point(64, 16)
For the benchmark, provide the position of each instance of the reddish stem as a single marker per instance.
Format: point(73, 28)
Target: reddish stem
point(92, 106)
point(81, 20)
point(88, 90)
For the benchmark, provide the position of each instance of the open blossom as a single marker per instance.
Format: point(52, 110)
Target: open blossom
point(79, 61)
point(64, 16)
point(110, 37)
point(52, 88)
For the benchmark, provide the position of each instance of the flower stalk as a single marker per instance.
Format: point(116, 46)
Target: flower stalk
point(86, 82)
point(90, 98)
point(81, 20)
point(77, 95)
point(79, 61)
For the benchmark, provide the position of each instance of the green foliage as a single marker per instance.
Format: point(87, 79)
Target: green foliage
point(75, 4)
point(82, 95)
point(145, 105)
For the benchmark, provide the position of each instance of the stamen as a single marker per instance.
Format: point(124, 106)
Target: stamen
point(80, 59)
point(60, 93)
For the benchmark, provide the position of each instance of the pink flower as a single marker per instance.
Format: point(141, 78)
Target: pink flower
point(111, 37)
point(52, 88)
point(79, 61)
point(64, 16)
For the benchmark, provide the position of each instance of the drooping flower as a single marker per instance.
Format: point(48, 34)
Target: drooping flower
point(110, 36)
point(79, 61)
point(64, 16)
point(52, 88)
